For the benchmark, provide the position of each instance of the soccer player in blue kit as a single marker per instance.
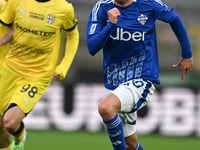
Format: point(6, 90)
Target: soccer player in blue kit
point(125, 30)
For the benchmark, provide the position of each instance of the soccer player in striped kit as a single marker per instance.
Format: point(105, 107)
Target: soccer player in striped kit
point(125, 30)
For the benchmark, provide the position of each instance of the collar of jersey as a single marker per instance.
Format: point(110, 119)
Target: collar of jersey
point(42, 0)
point(133, 1)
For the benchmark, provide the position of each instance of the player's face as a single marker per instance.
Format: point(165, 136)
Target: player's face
point(121, 2)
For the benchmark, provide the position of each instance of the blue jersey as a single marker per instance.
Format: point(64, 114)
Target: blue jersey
point(130, 46)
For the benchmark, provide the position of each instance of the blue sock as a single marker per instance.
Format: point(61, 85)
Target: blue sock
point(116, 133)
point(139, 147)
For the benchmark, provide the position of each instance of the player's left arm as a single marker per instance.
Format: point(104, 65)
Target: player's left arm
point(186, 64)
point(70, 52)
point(71, 28)
point(186, 60)
point(168, 15)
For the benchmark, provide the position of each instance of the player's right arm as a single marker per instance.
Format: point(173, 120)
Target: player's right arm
point(99, 28)
point(72, 33)
point(113, 15)
point(70, 52)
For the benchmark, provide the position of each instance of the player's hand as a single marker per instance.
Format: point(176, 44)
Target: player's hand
point(56, 76)
point(113, 15)
point(186, 64)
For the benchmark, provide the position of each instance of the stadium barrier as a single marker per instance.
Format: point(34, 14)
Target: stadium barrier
point(173, 111)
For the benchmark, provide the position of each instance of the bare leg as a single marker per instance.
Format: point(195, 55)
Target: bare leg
point(109, 107)
point(4, 135)
point(12, 119)
point(131, 141)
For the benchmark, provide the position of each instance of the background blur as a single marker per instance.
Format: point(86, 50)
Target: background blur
point(71, 105)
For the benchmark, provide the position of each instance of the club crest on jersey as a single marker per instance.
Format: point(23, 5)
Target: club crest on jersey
point(51, 19)
point(142, 19)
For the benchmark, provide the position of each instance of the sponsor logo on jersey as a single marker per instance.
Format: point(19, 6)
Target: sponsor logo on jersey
point(51, 19)
point(117, 143)
point(2, 5)
point(27, 102)
point(115, 134)
point(36, 16)
point(142, 19)
point(35, 32)
point(23, 12)
point(122, 35)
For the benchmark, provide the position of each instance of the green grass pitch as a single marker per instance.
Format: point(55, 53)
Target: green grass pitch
point(83, 140)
